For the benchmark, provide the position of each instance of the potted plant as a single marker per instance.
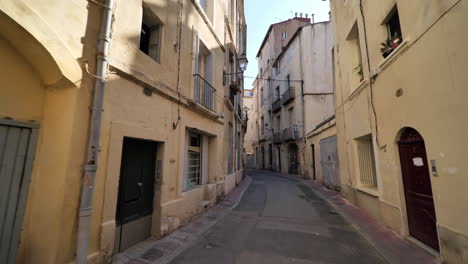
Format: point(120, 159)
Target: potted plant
point(396, 40)
point(234, 87)
point(359, 72)
point(386, 48)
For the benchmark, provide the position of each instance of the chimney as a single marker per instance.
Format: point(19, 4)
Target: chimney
point(313, 18)
point(300, 15)
point(306, 15)
point(295, 15)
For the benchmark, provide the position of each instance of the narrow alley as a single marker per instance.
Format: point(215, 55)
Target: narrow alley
point(280, 220)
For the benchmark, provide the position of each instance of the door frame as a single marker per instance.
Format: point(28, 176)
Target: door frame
point(404, 228)
point(112, 177)
point(24, 190)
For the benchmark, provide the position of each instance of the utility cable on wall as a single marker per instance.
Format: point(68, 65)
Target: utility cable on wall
point(179, 44)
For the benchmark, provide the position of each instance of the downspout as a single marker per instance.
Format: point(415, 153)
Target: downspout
point(303, 106)
point(91, 164)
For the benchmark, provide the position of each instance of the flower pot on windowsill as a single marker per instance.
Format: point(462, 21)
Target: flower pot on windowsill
point(386, 51)
point(396, 41)
point(234, 88)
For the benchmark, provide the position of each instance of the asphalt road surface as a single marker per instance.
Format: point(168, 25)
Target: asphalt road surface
point(281, 221)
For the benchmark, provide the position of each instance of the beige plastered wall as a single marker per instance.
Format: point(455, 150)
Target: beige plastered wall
point(42, 82)
point(430, 69)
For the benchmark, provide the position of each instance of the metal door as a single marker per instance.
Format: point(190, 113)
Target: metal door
point(330, 163)
point(136, 191)
point(417, 187)
point(17, 147)
point(293, 159)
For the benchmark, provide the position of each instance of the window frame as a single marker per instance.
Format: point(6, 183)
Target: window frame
point(150, 22)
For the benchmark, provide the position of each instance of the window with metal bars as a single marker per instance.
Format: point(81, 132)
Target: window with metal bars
point(194, 160)
point(367, 169)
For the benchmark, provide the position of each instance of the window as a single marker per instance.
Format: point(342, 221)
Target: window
point(276, 68)
point(278, 123)
point(277, 93)
point(291, 116)
point(194, 159)
point(288, 81)
point(150, 36)
point(204, 92)
point(353, 48)
point(263, 125)
point(367, 170)
point(261, 96)
point(393, 24)
point(284, 35)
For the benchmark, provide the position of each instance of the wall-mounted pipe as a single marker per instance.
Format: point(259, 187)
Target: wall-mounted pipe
point(91, 164)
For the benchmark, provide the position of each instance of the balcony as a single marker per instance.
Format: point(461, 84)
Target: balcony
point(276, 106)
point(277, 138)
point(289, 95)
point(291, 133)
point(204, 93)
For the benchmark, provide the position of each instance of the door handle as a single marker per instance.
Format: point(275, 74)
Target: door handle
point(140, 184)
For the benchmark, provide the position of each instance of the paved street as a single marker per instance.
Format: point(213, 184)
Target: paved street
point(281, 221)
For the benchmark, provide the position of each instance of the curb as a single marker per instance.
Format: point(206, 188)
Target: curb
point(392, 246)
point(163, 251)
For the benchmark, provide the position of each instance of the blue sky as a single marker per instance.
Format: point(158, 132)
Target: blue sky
point(260, 14)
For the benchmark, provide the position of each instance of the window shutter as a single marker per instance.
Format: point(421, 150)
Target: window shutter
point(155, 40)
point(197, 54)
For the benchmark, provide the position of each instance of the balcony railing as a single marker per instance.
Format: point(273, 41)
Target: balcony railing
point(204, 92)
point(288, 95)
point(276, 106)
point(277, 138)
point(291, 133)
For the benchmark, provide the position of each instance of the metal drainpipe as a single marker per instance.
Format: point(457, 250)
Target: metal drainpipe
point(90, 167)
point(303, 106)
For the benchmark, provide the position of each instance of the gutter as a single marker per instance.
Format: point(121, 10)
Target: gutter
point(91, 164)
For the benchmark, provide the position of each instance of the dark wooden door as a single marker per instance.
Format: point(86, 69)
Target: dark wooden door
point(417, 188)
point(293, 159)
point(137, 174)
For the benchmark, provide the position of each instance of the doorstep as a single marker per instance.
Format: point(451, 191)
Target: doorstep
point(162, 251)
point(393, 247)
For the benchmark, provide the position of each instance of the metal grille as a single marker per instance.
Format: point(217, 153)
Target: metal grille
point(366, 163)
point(194, 168)
point(204, 92)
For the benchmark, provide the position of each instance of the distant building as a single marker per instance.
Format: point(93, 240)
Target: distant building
point(294, 94)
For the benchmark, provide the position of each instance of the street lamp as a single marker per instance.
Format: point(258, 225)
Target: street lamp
point(243, 62)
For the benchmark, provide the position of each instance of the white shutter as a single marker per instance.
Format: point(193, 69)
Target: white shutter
point(155, 42)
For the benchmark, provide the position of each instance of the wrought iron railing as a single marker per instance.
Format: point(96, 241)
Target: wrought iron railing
point(291, 133)
point(204, 93)
point(277, 138)
point(288, 95)
point(276, 106)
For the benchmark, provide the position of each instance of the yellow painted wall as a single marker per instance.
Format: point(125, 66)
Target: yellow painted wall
point(430, 69)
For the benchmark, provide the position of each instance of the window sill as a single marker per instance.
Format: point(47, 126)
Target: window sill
point(193, 188)
point(394, 55)
point(372, 191)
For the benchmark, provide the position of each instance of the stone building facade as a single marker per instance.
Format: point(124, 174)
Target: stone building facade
point(400, 74)
point(171, 134)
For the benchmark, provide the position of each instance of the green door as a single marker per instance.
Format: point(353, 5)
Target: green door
point(17, 145)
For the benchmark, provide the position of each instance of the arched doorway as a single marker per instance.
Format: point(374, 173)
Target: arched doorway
point(293, 159)
point(417, 188)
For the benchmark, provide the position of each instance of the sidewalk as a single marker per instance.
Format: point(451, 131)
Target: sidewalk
point(393, 247)
point(153, 251)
